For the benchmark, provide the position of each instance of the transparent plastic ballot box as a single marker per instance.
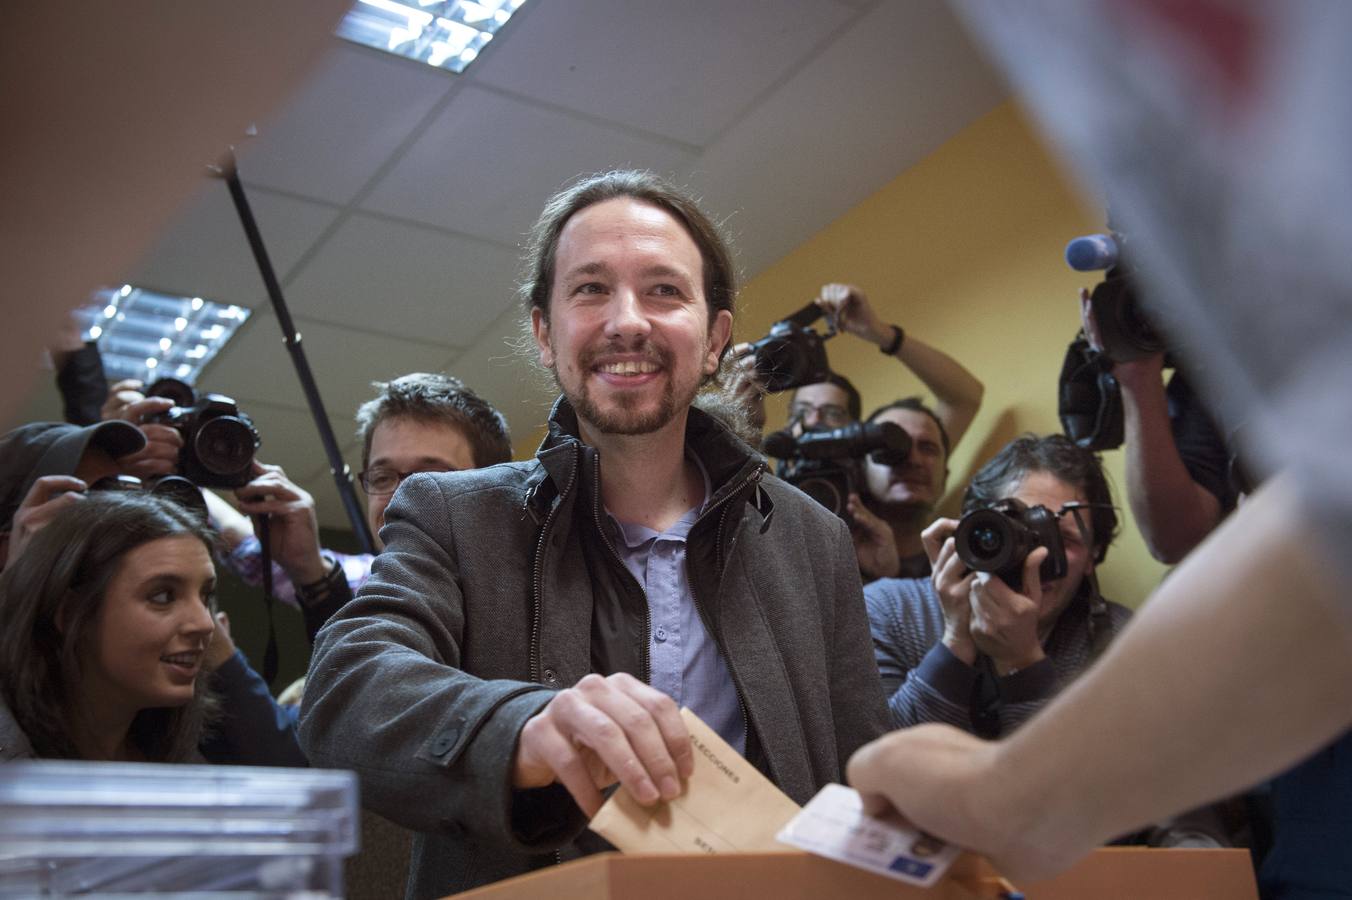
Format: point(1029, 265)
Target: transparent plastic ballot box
point(71, 829)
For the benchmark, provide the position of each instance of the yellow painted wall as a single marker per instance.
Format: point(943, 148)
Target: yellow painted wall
point(965, 250)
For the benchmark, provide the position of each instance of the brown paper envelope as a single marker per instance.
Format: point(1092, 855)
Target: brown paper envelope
point(727, 806)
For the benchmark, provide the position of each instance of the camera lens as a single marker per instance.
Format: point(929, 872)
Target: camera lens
point(224, 445)
point(986, 542)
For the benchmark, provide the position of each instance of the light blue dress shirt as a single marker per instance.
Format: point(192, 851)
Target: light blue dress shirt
point(684, 660)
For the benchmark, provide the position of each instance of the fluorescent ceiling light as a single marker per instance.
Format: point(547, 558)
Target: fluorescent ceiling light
point(147, 335)
point(448, 34)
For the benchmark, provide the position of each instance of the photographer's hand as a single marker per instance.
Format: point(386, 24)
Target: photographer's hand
point(121, 395)
point(1005, 622)
point(1134, 375)
point(48, 496)
point(744, 384)
point(163, 442)
point(849, 308)
point(221, 646)
point(293, 529)
point(952, 581)
point(875, 544)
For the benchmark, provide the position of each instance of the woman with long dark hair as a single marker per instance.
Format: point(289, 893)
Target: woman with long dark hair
point(104, 621)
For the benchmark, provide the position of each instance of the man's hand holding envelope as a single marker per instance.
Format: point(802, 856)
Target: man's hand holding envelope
point(604, 730)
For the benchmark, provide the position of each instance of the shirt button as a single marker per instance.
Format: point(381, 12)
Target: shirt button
point(660, 635)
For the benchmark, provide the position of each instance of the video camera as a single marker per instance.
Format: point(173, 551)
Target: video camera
point(219, 441)
point(793, 354)
point(825, 464)
point(999, 537)
point(1089, 399)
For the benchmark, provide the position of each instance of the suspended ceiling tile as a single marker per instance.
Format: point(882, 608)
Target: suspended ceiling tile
point(406, 280)
point(487, 164)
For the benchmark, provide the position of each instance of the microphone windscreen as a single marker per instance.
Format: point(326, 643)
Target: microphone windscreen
point(1092, 253)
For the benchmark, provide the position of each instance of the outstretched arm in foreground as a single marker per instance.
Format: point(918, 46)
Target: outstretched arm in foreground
point(1238, 667)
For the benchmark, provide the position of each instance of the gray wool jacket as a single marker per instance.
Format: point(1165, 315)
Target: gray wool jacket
point(498, 587)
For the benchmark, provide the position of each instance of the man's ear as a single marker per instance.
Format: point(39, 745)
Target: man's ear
point(720, 332)
point(539, 326)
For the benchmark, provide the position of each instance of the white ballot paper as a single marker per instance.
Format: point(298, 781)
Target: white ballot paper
point(834, 825)
point(727, 806)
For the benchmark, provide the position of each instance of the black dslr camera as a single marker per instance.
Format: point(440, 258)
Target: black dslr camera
point(825, 464)
point(793, 354)
point(218, 440)
point(998, 538)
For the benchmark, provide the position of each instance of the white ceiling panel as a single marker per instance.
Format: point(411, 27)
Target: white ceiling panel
point(487, 163)
point(341, 128)
point(256, 366)
point(688, 69)
point(782, 175)
point(405, 280)
point(321, 486)
point(511, 382)
point(204, 253)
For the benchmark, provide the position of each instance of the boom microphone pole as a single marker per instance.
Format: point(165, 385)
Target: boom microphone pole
point(342, 475)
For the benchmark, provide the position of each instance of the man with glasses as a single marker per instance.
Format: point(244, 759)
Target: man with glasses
point(967, 649)
point(422, 422)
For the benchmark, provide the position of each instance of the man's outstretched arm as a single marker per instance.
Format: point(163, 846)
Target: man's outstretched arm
point(1239, 666)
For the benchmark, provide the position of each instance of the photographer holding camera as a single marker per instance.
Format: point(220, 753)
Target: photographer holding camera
point(1178, 463)
point(886, 522)
point(984, 650)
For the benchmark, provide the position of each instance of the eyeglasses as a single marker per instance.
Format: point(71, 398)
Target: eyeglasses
point(1076, 510)
point(832, 414)
point(378, 482)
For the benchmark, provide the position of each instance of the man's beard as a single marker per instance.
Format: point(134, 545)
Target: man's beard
point(624, 417)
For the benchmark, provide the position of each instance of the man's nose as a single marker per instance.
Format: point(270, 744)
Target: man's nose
point(626, 318)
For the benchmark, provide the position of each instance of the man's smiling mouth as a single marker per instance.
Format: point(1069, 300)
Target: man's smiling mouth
point(629, 367)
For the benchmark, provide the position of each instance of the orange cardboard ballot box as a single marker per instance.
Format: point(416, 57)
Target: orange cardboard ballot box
point(1113, 873)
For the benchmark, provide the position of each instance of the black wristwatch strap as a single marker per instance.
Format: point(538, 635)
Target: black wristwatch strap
point(316, 591)
point(898, 335)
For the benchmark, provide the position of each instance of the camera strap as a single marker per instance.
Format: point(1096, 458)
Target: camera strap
point(270, 652)
point(987, 700)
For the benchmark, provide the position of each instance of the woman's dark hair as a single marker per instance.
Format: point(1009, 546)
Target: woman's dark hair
point(1056, 455)
point(61, 577)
